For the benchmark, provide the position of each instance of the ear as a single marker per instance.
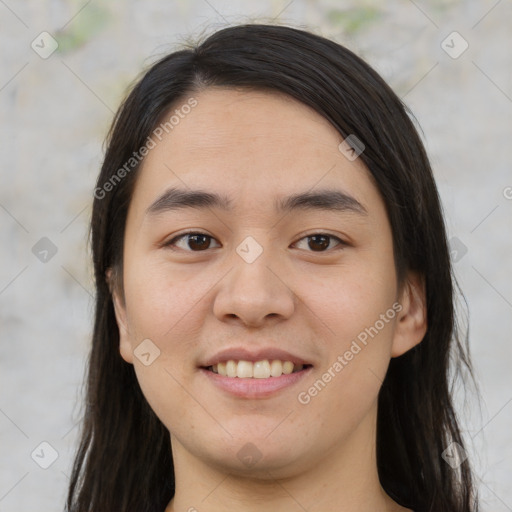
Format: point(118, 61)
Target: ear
point(411, 323)
point(125, 346)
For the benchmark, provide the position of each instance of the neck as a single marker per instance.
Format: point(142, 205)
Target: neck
point(344, 480)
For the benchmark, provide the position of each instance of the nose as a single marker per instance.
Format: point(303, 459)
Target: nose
point(254, 293)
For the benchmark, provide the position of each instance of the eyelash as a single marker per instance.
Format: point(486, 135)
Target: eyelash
point(341, 243)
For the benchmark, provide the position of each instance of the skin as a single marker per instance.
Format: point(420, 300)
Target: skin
point(255, 147)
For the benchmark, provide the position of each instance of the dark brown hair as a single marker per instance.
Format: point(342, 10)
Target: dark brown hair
point(124, 460)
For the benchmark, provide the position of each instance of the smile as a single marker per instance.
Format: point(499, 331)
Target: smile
point(263, 369)
point(245, 382)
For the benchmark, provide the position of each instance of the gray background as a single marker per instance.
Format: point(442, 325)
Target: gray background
point(55, 112)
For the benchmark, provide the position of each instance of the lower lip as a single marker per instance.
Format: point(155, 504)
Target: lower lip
point(255, 388)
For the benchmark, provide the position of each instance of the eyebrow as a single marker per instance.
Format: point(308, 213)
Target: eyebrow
point(329, 200)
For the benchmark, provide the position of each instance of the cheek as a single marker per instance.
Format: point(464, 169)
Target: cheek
point(168, 308)
point(160, 300)
point(354, 315)
point(346, 301)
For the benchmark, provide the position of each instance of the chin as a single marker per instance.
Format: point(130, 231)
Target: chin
point(257, 457)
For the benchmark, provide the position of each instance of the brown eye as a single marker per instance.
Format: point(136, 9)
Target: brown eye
point(193, 242)
point(196, 242)
point(199, 242)
point(319, 242)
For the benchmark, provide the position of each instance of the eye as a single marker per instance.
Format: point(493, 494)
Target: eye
point(318, 242)
point(196, 241)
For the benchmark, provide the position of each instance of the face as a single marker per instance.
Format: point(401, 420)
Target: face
point(293, 263)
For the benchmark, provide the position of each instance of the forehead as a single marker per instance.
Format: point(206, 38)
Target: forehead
point(251, 146)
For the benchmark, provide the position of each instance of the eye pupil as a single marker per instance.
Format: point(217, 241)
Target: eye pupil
point(193, 240)
point(323, 244)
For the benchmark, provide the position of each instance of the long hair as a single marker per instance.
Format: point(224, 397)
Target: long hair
point(124, 460)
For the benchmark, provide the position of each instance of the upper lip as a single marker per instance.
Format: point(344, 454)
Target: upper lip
point(243, 353)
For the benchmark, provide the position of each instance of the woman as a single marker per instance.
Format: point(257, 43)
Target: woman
point(274, 311)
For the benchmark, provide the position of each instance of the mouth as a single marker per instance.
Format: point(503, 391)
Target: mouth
point(263, 369)
point(260, 379)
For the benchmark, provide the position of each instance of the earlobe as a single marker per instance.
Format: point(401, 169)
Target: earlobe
point(125, 347)
point(411, 324)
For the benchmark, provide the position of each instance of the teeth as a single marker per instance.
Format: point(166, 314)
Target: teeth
point(244, 369)
point(287, 367)
point(231, 368)
point(276, 368)
point(258, 370)
point(261, 369)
